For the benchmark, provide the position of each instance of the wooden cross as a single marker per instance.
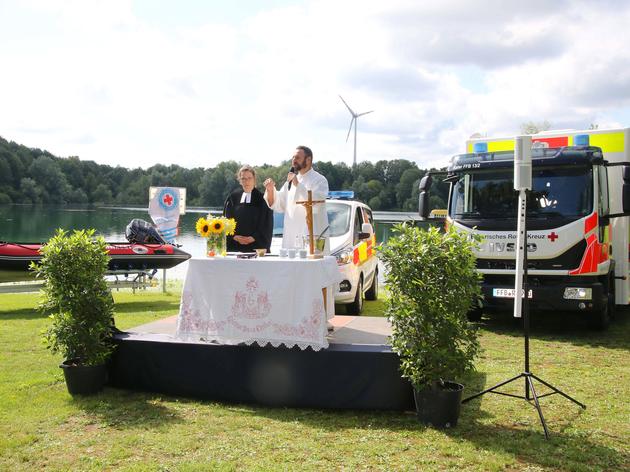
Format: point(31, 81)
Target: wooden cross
point(308, 205)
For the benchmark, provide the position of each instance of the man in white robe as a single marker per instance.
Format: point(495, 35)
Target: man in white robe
point(299, 181)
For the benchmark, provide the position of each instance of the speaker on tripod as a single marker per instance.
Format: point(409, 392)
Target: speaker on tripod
point(523, 184)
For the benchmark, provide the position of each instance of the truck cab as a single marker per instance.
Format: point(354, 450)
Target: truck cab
point(576, 221)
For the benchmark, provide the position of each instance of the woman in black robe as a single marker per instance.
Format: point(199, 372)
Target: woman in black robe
point(254, 218)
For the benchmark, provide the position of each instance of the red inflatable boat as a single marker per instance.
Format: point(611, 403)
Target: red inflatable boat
point(15, 258)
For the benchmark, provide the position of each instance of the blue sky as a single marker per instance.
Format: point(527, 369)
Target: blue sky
point(136, 83)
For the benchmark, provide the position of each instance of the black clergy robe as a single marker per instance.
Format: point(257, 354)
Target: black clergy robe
point(252, 219)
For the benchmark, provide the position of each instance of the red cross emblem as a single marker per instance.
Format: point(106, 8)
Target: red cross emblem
point(553, 236)
point(167, 199)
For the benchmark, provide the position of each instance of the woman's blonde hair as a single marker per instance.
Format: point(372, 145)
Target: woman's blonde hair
point(246, 168)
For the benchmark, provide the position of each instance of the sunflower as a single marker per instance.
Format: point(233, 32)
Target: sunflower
point(217, 226)
point(203, 227)
point(230, 226)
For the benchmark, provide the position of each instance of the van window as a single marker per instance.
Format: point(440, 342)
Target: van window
point(367, 216)
point(338, 218)
point(358, 222)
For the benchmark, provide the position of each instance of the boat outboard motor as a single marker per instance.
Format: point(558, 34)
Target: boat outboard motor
point(143, 232)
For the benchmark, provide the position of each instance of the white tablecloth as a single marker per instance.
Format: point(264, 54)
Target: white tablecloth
point(265, 300)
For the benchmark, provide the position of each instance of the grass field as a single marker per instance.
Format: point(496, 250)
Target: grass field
point(43, 427)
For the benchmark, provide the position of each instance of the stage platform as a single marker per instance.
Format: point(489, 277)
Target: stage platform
point(357, 371)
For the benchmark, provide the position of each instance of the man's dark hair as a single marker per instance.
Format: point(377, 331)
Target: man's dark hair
point(307, 151)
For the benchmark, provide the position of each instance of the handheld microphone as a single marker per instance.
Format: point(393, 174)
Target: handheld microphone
point(291, 170)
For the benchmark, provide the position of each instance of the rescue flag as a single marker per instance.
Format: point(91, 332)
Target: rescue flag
point(165, 206)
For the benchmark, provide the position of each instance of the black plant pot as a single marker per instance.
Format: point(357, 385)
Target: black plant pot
point(439, 406)
point(82, 379)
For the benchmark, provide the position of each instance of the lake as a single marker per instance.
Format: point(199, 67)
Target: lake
point(37, 223)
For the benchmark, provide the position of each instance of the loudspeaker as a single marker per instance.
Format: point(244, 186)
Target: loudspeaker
point(523, 163)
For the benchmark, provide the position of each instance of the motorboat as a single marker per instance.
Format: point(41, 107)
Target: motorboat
point(15, 258)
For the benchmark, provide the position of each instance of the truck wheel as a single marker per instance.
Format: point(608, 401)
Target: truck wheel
point(372, 292)
point(356, 307)
point(600, 319)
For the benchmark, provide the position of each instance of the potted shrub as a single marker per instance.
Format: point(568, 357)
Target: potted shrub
point(80, 306)
point(432, 283)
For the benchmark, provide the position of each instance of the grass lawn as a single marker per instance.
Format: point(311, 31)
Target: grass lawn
point(43, 427)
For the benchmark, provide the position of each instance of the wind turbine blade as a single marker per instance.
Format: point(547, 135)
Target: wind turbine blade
point(348, 106)
point(365, 113)
point(350, 129)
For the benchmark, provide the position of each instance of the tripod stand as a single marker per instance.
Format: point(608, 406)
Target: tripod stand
point(521, 307)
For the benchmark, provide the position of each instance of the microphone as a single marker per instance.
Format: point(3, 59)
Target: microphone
point(291, 170)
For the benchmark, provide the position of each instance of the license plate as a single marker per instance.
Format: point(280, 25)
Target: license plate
point(508, 293)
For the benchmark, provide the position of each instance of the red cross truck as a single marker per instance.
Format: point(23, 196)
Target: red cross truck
point(577, 220)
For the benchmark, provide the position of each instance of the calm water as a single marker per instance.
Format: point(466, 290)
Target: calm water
point(26, 223)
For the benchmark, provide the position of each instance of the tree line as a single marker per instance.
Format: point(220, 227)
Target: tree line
point(33, 176)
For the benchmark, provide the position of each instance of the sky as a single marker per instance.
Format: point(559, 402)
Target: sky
point(143, 82)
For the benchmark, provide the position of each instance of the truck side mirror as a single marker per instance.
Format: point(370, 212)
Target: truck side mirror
point(423, 198)
point(625, 197)
point(625, 189)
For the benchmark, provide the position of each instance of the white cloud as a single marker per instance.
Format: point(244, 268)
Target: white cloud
point(102, 81)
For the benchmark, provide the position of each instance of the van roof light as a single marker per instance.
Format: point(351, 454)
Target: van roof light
point(480, 147)
point(341, 194)
point(581, 140)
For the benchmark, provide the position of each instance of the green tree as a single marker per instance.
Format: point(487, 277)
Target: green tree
point(76, 297)
point(18, 169)
point(6, 175)
point(390, 184)
point(5, 198)
point(102, 194)
point(72, 169)
point(46, 172)
point(433, 284)
point(359, 188)
point(404, 188)
point(77, 195)
point(392, 170)
point(375, 203)
point(218, 183)
point(336, 174)
point(367, 171)
point(31, 192)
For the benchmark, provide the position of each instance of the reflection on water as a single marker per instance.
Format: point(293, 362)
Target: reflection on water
point(37, 223)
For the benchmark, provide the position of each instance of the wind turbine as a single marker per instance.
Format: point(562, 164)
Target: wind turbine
point(354, 120)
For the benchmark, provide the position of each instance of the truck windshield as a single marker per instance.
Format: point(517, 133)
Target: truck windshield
point(565, 192)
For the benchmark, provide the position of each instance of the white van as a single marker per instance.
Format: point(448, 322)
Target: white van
point(352, 242)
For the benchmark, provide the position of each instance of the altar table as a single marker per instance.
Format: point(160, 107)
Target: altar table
point(263, 300)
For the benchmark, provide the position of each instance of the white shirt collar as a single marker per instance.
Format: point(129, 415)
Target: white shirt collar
point(305, 175)
point(246, 197)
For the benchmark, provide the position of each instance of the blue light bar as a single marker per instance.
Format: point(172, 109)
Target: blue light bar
point(581, 140)
point(480, 147)
point(341, 194)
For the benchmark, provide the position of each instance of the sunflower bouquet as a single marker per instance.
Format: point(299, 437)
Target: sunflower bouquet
point(215, 229)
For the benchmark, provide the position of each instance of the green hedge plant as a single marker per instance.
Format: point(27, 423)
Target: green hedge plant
point(432, 283)
point(76, 296)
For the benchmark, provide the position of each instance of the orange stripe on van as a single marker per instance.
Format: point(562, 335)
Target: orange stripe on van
point(590, 258)
point(590, 223)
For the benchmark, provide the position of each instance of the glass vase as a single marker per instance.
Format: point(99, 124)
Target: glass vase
point(216, 245)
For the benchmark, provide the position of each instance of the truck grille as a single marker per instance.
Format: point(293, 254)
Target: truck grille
point(568, 260)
